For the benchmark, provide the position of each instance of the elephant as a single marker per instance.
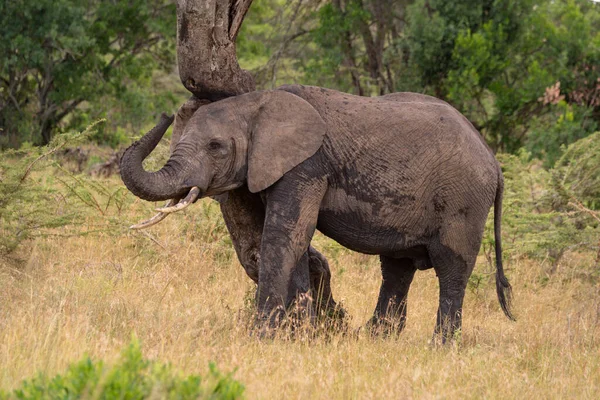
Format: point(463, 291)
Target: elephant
point(403, 176)
point(243, 214)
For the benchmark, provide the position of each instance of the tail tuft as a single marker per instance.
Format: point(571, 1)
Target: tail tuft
point(504, 291)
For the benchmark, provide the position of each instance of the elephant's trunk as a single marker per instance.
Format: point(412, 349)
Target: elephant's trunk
point(152, 186)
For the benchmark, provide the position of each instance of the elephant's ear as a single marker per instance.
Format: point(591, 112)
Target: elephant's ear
point(286, 131)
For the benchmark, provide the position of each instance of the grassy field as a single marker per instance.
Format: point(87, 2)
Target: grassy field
point(181, 290)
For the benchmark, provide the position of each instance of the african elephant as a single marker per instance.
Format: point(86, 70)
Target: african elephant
point(403, 176)
point(244, 214)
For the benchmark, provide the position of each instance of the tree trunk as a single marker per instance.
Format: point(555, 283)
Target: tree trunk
point(46, 131)
point(347, 50)
point(206, 32)
point(208, 67)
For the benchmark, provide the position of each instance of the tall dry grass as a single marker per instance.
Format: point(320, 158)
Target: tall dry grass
point(180, 289)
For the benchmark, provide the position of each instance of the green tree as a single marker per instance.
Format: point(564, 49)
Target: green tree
point(358, 39)
point(63, 58)
point(494, 60)
point(275, 40)
point(502, 73)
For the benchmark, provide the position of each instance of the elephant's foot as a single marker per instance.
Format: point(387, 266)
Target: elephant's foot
point(299, 323)
point(386, 325)
point(330, 316)
point(331, 320)
point(267, 326)
point(389, 317)
point(284, 322)
point(301, 320)
point(448, 330)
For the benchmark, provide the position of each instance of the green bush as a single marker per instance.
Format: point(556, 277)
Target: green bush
point(133, 377)
point(547, 212)
point(563, 125)
point(576, 174)
point(111, 137)
point(28, 204)
point(38, 198)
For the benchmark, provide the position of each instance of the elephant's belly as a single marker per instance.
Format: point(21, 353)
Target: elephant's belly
point(372, 237)
point(369, 238)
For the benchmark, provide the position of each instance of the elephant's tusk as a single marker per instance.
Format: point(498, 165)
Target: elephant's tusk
point(154, 220)
point(189, 199)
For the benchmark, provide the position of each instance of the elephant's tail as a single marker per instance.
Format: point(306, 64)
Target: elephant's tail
point(503, 287)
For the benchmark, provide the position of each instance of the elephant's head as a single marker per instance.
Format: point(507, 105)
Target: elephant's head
point(250, 139)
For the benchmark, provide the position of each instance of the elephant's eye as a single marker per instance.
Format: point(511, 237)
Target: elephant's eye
point(214, 145)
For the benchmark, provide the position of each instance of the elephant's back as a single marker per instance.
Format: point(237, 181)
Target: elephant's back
point(410, 97)
point(403, 163)
point(402, 116)
point(405, 137)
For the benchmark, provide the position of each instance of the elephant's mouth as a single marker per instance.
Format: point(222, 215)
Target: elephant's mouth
point(172, 206)
point(183, 203)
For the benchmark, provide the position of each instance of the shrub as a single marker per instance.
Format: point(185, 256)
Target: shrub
point(26, 202)
point(563, 125)
point(547, 212)
point(576, 175)
point(37, 196)
point(133, 377)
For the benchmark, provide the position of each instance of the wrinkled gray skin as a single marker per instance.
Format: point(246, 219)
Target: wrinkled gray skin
point(244, 216)
point(404, 176)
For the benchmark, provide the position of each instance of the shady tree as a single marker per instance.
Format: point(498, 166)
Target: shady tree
point(208, 68)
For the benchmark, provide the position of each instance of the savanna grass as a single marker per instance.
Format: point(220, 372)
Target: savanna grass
point(180, 289)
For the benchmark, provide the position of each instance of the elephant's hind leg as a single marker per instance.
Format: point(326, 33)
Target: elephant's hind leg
point(390, 312)
point(453, 270)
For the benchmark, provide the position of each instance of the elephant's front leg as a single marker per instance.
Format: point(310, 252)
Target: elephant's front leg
point(244, 216)
point(290, 221)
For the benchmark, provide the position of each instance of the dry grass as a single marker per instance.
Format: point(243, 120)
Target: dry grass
point(185, 296)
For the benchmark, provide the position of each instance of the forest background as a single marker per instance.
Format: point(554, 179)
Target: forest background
point(80, 79)
point(525, 72)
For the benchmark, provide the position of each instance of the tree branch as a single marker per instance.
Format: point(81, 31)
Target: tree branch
point(236, 17)
point(68, 110)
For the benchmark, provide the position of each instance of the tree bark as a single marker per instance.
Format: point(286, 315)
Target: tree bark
point(206, 32)
point(208, 67)
point(349, 59)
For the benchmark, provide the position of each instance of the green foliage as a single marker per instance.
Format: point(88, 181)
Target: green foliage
point(333, 36)
point(113, 138)
point(38, 198)
point(253, 42)
point(273, 41)
point(133, 377)
point(547, 212)
point(576, 175)
point(504, 56)
point(67, 62)
point(438, 29)
point(563, 124)
point(494, 60)
point(70, 62)
point(24, 199)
